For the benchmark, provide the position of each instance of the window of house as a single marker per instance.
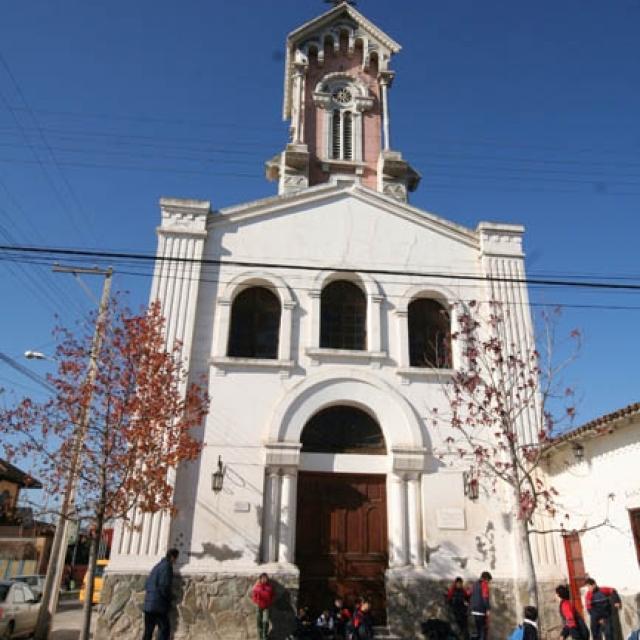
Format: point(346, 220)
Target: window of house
point(255, 324)
point(343, 429)
point(343, 317)
point(429, 334)
point(634, 514)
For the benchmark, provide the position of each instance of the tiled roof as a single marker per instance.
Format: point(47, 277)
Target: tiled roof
point(601, 423)
point(12, 474)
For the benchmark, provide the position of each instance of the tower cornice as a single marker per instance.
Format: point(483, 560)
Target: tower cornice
point(312, 27)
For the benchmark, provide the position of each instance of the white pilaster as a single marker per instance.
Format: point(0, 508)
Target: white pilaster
point(271, 515)
point(403, 338)
point(287, 517)
point(374, 338)
point(398, 540)
point(414, 512)
point(181, 241)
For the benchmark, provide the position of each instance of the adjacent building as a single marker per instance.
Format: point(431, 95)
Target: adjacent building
point(595, 470)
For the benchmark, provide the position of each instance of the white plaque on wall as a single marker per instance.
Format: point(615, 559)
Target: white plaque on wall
point(450, 518)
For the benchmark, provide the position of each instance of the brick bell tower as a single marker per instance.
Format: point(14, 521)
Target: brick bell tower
point(336, 96)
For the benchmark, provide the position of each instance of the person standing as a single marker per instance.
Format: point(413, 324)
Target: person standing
point(480, 602)
point(530, 623)
point(458, 597)
point(157, 597)
point(600, 602)
point(262, 595)
point(574, 626)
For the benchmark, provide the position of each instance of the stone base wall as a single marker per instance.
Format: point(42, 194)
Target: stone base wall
point(218, 607)
point(208, 607)
point(414, 598)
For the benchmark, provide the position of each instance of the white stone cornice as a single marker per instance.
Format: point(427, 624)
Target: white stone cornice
point(504, 240)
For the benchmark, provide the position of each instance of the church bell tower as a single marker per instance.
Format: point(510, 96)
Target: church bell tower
point(336, 97)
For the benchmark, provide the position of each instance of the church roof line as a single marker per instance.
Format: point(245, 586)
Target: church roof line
point(325, 191)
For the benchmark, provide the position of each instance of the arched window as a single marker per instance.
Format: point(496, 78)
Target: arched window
point(343, 317)
point(255, 324)
point(429, 334)
point(343, 430)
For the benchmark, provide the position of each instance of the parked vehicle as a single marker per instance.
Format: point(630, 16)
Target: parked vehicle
point(97, 582)
point(19, 608)
point(35, 582)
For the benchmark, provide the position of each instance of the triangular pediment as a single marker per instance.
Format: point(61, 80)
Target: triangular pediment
point(342, 11)
point(283, 205)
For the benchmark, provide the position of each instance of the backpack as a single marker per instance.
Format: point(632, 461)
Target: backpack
point(600, 605)
point(517, 633)
point(458, 599)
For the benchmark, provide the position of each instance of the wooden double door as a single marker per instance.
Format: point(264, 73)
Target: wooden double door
point(341, 539)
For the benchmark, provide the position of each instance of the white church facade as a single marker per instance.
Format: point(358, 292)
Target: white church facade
point(321, 320)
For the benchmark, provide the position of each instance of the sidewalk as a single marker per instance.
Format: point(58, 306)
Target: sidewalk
point(67, 622)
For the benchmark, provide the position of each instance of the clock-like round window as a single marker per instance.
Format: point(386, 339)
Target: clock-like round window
point(342, 96)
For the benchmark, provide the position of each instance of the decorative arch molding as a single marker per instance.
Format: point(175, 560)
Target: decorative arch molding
point(248, 279)
point(443, 295)
point(374, 295)
point(402, 428)
point(222, 322)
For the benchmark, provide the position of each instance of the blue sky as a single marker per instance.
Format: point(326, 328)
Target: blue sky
point(512, 111)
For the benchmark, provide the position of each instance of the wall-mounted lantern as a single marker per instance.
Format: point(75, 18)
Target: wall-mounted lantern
point(471, 484)
point(217, 478)
point(578, 451)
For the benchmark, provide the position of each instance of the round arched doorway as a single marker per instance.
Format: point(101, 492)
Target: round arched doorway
point(341, 529)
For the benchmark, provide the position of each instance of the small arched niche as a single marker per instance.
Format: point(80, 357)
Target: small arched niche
point(343, 429)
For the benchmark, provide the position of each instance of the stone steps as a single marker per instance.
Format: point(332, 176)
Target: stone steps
point(384, 633)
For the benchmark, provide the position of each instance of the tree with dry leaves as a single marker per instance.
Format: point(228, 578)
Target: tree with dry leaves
point(118, 430)
point(503, 405)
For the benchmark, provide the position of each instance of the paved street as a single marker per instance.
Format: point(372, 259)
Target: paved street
point(67, 621)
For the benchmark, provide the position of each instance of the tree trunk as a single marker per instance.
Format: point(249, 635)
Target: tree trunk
point(529, 569)
point(87, 608)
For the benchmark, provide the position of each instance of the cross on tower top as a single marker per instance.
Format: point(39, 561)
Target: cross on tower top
point(335, 3)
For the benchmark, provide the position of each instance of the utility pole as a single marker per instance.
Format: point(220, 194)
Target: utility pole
point(55, 569)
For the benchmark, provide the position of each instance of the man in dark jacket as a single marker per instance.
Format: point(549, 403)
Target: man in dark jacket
point(157, 597)
point(481, 605)
point(600, 602)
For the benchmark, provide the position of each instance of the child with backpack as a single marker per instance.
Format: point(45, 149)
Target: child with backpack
point(600, 602)
point(481, 605)
point(361, 625)
point(573, 624)
point(458, 597)
point(528, 630)
point(341, 616)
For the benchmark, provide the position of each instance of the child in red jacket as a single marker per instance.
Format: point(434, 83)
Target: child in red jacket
point(600, 602)
point(262, 595)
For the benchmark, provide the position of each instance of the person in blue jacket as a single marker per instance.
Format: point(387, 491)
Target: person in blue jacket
point(157, 597)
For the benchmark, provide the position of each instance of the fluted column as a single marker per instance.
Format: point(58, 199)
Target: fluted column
point(181, 242)
point(414, 512)
point(287, 515)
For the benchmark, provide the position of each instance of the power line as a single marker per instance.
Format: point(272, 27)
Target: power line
point(220, 281)
point(143, 257)
point(25, 371)
point(74, 196)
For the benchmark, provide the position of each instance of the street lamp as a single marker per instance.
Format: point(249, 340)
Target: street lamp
point(471, 484)
point(35, 355)
point(217, 478)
